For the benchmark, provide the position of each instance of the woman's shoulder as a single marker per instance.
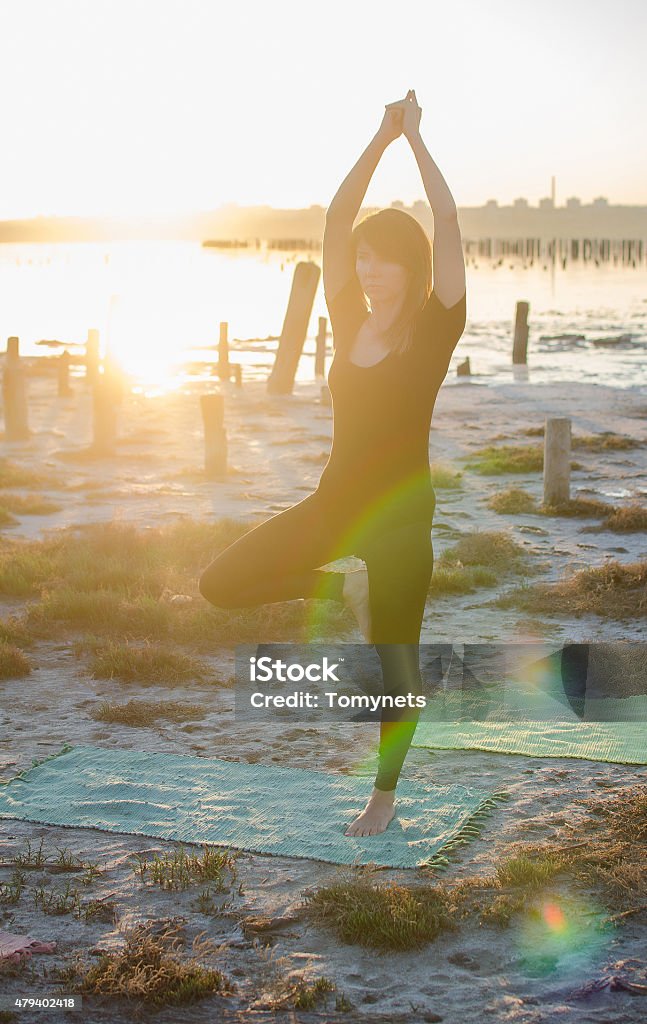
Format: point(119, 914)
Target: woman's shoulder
point(438, 328)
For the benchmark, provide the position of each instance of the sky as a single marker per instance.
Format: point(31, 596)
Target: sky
point(170, 106)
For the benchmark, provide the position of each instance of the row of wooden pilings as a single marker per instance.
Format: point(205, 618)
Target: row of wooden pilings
point(107, 384)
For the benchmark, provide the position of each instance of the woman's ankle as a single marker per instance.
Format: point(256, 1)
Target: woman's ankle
point(385, 795)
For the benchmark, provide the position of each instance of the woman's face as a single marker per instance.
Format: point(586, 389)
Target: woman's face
point(380, 279)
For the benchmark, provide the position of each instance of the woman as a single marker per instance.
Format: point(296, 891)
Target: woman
point(374, 499)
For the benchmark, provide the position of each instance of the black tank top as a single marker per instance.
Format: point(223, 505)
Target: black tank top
point(379, 462)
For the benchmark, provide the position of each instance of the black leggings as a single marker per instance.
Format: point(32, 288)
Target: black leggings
point(279, 559)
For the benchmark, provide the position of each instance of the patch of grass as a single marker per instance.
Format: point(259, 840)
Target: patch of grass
point(495, 549)
point(478, 560)
point(13, 631)
point(10, 892)
point(57, 901)
point(99, 611)
point(494, 460)
point(149, 970)
point(14, 664)
point(512, 500)
point(65, 862)
point(6, 518)
point(108, 613)
point(140, 713)
point(504, 908)
point(459, 579)
point(13, 475)
point(309, 994)
point(506, 458)
point(576, 507)
point(29, 859)
point(604, 441)
point(114, 555)
point(28, 504)
point(528, 873)
point(613, 590)
point(605, 850)
point(178, 869)
point(387, 916)
point(109, 578)
point(443, 476)
point(626, 519)
point(149, 664)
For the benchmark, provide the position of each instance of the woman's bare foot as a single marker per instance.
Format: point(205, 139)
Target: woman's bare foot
point(356, 596)
point(376, 815)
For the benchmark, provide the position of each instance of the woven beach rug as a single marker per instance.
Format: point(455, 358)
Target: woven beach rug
point(288, 812)
point(530, 713)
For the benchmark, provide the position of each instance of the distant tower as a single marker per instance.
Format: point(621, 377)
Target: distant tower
point(552, 189)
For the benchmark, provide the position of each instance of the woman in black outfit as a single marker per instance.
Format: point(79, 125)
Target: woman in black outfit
point(374, 499)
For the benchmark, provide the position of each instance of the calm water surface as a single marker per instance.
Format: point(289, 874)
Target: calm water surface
point(158, 305)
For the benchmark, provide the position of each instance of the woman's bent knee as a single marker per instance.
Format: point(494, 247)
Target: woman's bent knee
point(214, 588)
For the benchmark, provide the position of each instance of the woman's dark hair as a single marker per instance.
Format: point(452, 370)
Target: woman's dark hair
point(397, 236)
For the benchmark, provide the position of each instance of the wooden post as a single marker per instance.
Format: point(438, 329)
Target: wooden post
point(238, 374)
point(463, 369)
point(63, 367)
point(92, 356)
point(223, 352)
point(295, 326)
point(114, 374)
point(215, 435)
point(324, 395)
point(320, 354)
point(557, 460)
point(13, 349)
point(520, 346)
point(14, 395)
point(104, 407)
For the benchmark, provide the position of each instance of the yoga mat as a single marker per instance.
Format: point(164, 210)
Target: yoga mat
point(514, 720)
point(289, 812)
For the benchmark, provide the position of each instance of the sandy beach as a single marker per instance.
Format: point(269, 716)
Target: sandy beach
point(277, 448)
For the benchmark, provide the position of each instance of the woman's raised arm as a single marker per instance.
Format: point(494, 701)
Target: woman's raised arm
point(448, 259)
point(347, 201)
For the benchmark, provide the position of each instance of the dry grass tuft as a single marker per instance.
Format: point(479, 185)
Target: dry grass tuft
point(613, 590)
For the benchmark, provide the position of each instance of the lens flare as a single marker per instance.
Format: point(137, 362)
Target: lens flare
point(563, 934)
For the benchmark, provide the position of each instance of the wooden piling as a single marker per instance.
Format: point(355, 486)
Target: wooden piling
point(92, 356)
point(63, 368)
point(520, 345)
point(13, 349)
point(215, 435)
point(223, 352)
point(14, 394)
point(463, 369)
point(324, 395)
point(295, 326)
point(557, 460)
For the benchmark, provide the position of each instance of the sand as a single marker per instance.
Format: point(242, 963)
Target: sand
point(277, 448)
